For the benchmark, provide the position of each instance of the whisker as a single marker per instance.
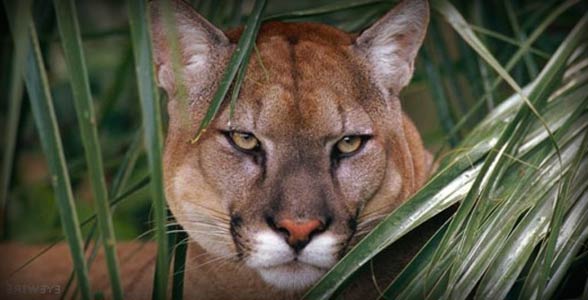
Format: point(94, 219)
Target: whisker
point(212, 210)
point(189, 265)
point(201, 224)
point(204, 224)
point(216, 234)
point(192, 266)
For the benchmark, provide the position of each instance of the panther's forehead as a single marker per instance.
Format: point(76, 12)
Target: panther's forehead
point(302, 81)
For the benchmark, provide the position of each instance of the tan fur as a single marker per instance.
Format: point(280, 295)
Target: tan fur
point(308, 86)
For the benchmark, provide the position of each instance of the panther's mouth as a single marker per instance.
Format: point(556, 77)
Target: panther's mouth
point(283, 267)
point(293, 275)
point(295, 264)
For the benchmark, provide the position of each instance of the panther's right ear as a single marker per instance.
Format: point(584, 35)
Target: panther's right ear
point(198, 43)
point(390, 46)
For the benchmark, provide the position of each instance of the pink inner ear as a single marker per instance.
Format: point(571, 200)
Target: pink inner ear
point(165, 78)
point(392, 43)
point(198, 41)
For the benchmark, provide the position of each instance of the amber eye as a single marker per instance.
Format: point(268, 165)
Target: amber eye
point(244, 141)
point(349, 144)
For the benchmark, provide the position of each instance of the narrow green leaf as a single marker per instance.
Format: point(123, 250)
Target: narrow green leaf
point(117, 88)
point(173, 40)
point(362, 21)
point(416, 266)
point(542, 87)
point(74, 56)
point(448, 65)
point(180, 254)
point(462, 27)
point(442, 104)
point(482, 67)
point(48, 129)
point(513, 59)
point(494, 166)
point(326, 9)
point(506, 39)
point(241, 54)
point(139, 185)
point(236, 88)
point(239, 80)
point(14, 95)
point(127, 166)
point(536, 282)
point(504, 271)
point(575, 230)
point(152, 124)
point(90, 260)
point(234, 16)
point(533, 185)
point(514, 23)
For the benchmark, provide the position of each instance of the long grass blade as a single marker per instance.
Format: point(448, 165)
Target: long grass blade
point(502, 274)
point(539, 96)
point(181, 93)
point(152, 124)
point(139, 185)
point(15, 100)
point(536, 282)
point(324, 9)
point(532, 185)
point(514, 23)
point(180, 254)
point(514, 59)
point(72, 45)
point(46, 122)
point(509, 40)
point(440, 99)
point(127, 166)
point(503, 219)
point(120, 83)
point(482, 67)
point(443, 57)
point(234, 16)
point(242, 53)
point(461, 26)
point(471, 212)
point(415, 268)
point(90, 260)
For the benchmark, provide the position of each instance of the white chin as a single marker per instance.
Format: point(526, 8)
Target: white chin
point(293, 276)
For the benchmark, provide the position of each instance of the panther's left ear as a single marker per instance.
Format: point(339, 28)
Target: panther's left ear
point(391, 44)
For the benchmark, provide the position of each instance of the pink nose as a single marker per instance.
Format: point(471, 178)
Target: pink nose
point(300, 231)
